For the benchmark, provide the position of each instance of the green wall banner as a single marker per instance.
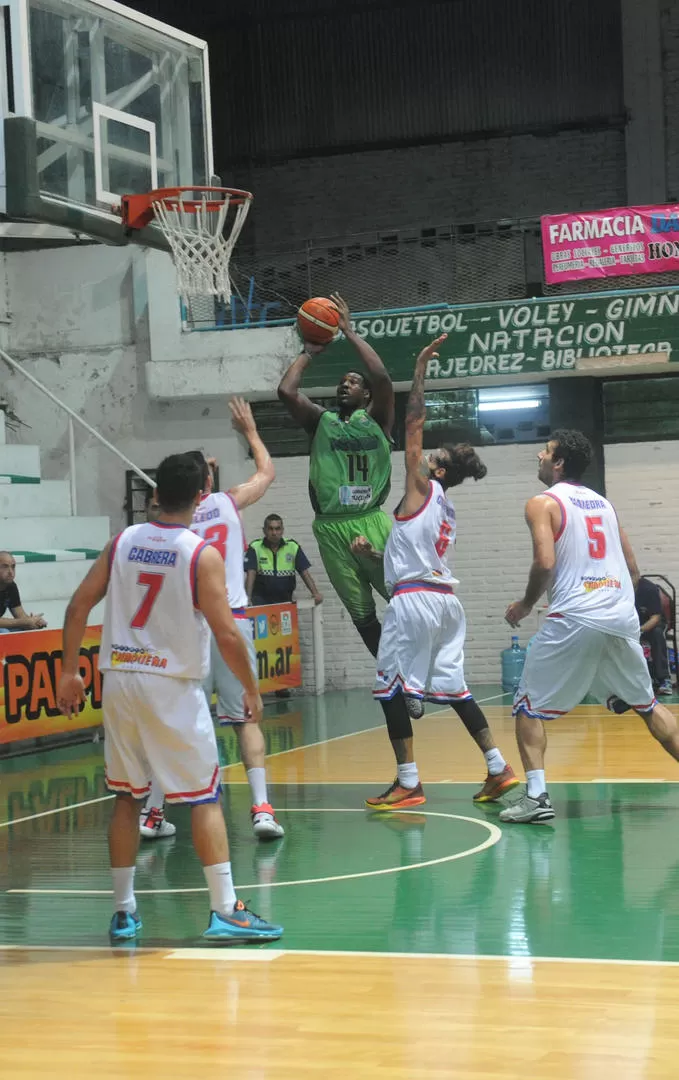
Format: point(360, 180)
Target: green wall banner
point(513, 338)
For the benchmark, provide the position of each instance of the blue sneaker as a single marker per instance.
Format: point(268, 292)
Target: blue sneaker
point(242, 925)
point(124, 926)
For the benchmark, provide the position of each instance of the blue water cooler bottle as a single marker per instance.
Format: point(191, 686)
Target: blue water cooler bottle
point(513, 660)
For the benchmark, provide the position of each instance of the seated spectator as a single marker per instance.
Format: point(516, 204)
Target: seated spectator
point(272, 565)
point(10, 599)
point(649, 609)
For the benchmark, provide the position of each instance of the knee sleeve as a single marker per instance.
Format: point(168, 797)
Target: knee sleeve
point(371, 631)
point(396, 716)
point(471, 715)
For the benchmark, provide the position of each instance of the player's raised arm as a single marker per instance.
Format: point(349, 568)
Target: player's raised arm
point(417, 472)
point(540, 511)
point(301, 408)
point(251, 490)
point(381, 407)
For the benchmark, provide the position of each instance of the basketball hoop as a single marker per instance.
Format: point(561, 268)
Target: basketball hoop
point(201, 226)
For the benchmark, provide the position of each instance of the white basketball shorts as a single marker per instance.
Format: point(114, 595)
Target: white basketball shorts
point(421, 649)
point(566, 661)
point(230, 708)
point(161, 726)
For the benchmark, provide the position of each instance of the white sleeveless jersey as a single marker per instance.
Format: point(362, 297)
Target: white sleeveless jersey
point(218, 521)
point(151, 623)
point(591, 582)
point(418, 545)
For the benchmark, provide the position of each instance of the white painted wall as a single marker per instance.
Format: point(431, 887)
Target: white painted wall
point(642, 480)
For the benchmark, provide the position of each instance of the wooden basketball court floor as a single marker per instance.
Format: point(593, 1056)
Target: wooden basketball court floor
point(433, 944)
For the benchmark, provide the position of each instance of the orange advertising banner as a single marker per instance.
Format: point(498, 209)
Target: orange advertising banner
point(276, 633)
point(31, 666)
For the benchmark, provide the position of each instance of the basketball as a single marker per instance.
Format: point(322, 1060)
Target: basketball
point(318, 320)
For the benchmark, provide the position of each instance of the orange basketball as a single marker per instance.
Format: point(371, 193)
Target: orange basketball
point(318, 320)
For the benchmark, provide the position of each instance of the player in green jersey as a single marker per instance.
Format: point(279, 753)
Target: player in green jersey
point(349, 473)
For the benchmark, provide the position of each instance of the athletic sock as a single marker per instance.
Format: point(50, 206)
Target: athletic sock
point(123, 888)
point(220, 884)
point(257, 782)
point(408, 776)
point(535, 782)
point(495, 762)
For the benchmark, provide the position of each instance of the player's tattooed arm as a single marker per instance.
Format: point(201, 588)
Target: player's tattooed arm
point(417, 478)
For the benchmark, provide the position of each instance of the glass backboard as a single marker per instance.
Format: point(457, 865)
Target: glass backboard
point(121, 102)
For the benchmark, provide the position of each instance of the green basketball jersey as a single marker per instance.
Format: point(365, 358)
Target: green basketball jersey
point(350, 466)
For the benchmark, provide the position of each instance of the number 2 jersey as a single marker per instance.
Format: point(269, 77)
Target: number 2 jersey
point(591, 583)
point(417, 547)
point(151, 622)
point(218, 521)
point(350, 465)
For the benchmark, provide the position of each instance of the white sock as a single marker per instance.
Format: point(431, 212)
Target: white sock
point(257, 782)
point(495, 761)
point(220, 884)
point(535, 781)
point(408, 776)
point(123, 888)
point(155, 797)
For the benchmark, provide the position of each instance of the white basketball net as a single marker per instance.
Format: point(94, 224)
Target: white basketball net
point(200, 246)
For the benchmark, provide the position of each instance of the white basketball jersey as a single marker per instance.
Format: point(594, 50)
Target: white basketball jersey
point(151, 623)
point(218, 521)
point(591, 581)
point(417, 547)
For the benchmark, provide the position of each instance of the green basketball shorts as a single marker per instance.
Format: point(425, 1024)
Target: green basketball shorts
point(353, 577)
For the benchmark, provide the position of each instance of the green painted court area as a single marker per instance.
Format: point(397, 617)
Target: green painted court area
point(603, 882)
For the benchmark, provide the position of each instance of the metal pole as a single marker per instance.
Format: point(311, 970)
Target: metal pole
point(71, 467)
point(319, 648)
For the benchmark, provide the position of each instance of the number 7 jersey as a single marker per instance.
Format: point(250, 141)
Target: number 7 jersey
point(151, 621)
point(591, 582)
point(218, 521)
point(417, 548)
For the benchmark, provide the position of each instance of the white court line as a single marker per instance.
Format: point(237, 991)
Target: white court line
point(494, 835)
point(226, 953)
point(279, 753)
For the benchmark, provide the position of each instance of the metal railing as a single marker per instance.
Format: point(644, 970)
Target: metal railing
point(71, 433)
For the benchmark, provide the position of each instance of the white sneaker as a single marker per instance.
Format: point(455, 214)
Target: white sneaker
point(264, 823)
point(529, 810)
point(153, 825)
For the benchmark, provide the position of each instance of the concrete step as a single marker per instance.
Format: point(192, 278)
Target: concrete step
point(20, 463)
point(40, 581)
point(40, 534)
point(45, 499)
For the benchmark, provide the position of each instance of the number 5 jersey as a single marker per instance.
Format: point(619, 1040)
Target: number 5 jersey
point(591, 582)
point(417, 547)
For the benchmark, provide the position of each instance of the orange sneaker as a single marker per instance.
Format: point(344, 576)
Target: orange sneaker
point(397, 798)
point(497, 786)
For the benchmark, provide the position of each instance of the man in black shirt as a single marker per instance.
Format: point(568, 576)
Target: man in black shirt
point(649, 609)
point(10, 599)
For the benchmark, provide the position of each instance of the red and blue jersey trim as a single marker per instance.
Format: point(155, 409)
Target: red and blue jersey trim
point(422, 586)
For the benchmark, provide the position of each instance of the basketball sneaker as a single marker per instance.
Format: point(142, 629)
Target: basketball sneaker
point(125, 925)
point(153, 825)
point(665, 688)
point(264, 824)
point(528, 810)
point(241, 925)
point(397, 798)
point(415, 708)
point(495, 787)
